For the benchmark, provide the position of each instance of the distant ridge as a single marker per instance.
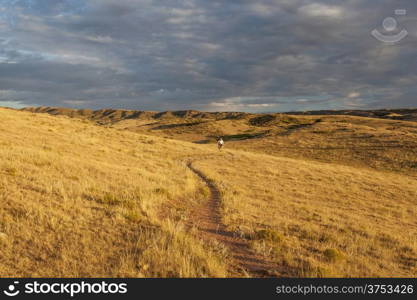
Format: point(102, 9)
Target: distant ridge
point(405, 114)
point(104, 116)
point(114, 115)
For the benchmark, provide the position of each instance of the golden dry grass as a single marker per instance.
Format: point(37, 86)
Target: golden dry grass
point(354, 141)
point(83, 200)
point(319, 219)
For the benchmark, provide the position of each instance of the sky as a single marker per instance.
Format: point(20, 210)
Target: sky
point(243, 55)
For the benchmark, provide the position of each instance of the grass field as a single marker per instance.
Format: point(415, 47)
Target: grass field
point(318, 196)
point(81, 200)
point(318, 219)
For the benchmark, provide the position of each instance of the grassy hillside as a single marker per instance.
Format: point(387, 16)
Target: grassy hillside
point(115, 115)
point(390, 114)
point(353, 141)
point(317, 219)
point(81, 200)
point(369, 140)
point(85, 200)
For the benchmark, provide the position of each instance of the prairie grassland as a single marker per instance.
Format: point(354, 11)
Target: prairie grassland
point(367, 142)
point(354, 141)
point(81, 200)
point(318, 219)
point(335, 197)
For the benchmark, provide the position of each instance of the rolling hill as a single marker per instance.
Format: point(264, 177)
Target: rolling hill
point(364, 141)
point(115, 115)
point(144, 194)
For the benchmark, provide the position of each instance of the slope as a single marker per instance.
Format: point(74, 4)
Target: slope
point(82, 200)
point(85, 200)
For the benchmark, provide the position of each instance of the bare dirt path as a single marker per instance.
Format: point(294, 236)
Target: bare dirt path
point(207, 219)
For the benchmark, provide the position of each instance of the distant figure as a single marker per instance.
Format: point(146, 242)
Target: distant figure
point(220, 143)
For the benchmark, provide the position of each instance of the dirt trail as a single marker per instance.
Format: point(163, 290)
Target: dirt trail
point(207, 219)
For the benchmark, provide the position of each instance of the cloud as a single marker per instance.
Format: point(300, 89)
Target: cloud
point(243, 104)
point(319, 10)
point(353, 95)
point(267, 55)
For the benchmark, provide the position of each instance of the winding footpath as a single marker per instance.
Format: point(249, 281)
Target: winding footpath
point(207, 219)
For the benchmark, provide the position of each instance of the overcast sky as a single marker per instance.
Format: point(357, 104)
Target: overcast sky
point(259, 56)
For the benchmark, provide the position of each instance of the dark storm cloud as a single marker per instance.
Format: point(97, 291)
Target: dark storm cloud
point(268, 55)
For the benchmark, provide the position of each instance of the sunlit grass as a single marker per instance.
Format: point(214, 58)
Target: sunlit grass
point(318, 219)
point(84, 200)
point(81, 200)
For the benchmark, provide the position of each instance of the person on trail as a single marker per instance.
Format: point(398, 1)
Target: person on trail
point(220, 143)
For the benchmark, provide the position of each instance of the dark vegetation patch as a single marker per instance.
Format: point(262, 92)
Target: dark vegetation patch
point(170, 126)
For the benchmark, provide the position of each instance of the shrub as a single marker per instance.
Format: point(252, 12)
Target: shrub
point(332, 255)
point(133, 216)
point(268, 235)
